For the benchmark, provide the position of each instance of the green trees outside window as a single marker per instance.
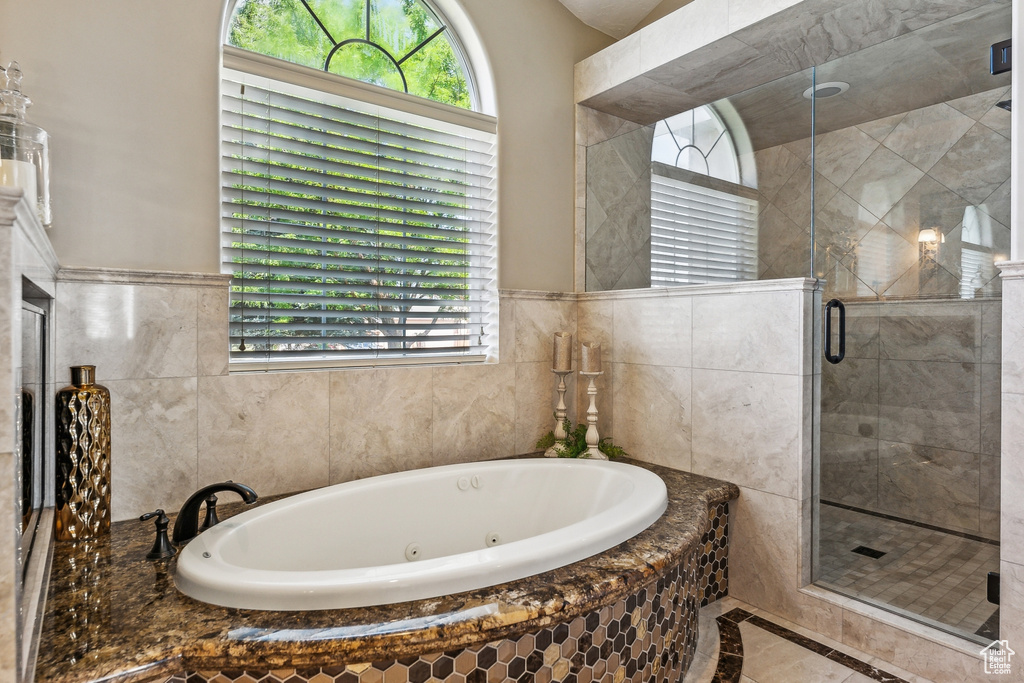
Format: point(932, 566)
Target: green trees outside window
point(396, 44)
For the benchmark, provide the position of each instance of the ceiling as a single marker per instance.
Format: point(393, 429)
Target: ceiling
point(614, 17)
point(937, 63)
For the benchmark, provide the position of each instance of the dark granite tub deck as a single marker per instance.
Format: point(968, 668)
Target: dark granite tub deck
point(113, 615)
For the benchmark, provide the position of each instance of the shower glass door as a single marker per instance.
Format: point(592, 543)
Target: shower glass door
point(911, 211)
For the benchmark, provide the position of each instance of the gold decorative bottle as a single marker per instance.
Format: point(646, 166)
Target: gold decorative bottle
point(83, 457)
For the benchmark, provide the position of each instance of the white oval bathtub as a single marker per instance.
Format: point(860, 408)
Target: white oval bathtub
point(419, 534)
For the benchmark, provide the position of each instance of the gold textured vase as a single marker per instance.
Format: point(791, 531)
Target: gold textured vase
point(83, 457)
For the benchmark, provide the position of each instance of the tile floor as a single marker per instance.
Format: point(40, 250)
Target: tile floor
point(928, 575)
point(771, 658)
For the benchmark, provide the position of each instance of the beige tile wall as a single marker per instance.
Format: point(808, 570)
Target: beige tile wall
point(180, 421)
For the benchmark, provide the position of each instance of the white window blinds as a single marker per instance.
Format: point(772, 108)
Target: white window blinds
point(354, 232)
point(700, 235)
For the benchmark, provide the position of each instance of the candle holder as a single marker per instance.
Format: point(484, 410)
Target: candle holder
point(560, 415)
point(593, 438)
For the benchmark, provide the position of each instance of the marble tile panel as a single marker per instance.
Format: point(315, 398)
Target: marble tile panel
point(837, 155)
point(907, 650)
point(862, 324)
point(9, 612)
point(838, 226)
point(153, 442)
point(267, 430)
point(880, 128)
point(633, 277)
point(989, 496)
point(928, 204)
point(474, 412)
point(507, 330)
point(781, 241)
point(126, 331)
point(924, 135)
point(849, 397)
point(614, 64)
point(930, 485)
point(976, 106)
point(976, 165)
point(536, 398)
point(849, 469)
point(881, 181)
point(214, 346)
point(925, 278)
point(599, 126)
point(1011, 605)
point(794, 197)
point(991, 401)
point(654, 331)
point(764, 561)
point(881, 258)
point(743, 14)
point(728, 328)
point(673, 36)
point(775, 166)
point(630, 217)
point(747, 429)
point(998, 204)
point(767, 657)
point(998, 119)
point(946, 331)
point(390, 432)
point(991, 331)
point(1011, 533)
point(607, 259)
point(653, 414)
point(1012, 353)
point(930, 403)
point(536, 322)
point(595, 322)
point(727, 66)
point(643, 100)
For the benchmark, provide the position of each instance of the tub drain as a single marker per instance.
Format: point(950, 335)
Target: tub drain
point(412, 552)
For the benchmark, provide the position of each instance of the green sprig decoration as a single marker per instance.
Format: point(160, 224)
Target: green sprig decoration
point(575, 445)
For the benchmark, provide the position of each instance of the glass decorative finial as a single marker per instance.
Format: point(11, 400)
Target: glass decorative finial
point(24, 147)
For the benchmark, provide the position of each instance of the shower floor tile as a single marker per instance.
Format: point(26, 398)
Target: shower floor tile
point(930, 575)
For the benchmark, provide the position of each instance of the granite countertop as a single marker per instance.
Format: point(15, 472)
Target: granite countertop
point(113, 615)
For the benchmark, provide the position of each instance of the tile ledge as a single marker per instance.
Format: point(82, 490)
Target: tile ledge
point(908, 626)
point(797, 284)
point(536, 294)
point(1011, 270)
point(124, 276)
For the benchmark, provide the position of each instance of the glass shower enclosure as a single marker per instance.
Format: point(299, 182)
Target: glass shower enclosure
point(885, 175)
point(911, 212)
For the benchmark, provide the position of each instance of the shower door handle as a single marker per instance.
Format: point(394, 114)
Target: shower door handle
point(829, 356)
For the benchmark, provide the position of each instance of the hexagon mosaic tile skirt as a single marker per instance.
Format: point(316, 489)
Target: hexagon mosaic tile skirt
point(648, 637)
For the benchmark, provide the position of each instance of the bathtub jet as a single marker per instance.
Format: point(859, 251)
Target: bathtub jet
point(419, 534)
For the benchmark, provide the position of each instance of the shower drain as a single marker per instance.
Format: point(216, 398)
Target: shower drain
point(868, 552)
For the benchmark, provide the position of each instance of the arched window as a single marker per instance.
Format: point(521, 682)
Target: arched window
point(399, 44)
point(703, 220)
point(358, 223)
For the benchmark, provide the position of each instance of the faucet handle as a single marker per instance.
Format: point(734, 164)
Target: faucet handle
point(161, 546)
point(211, 513)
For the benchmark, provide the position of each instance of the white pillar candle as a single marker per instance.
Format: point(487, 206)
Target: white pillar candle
point(20, 174)
point(590, 357)
point(561, 357)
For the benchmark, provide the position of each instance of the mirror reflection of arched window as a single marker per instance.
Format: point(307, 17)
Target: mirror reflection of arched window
point(703, 221)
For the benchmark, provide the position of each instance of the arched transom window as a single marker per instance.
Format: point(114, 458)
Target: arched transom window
point(703, 220)
point(399, 44)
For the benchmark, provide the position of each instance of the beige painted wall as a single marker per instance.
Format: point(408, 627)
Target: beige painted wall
point(129, 93)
